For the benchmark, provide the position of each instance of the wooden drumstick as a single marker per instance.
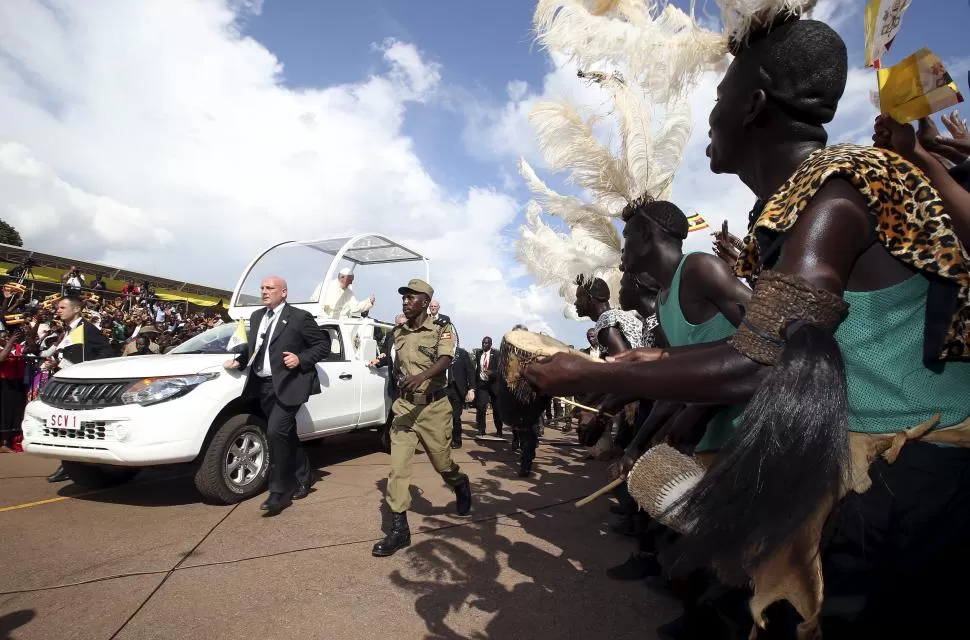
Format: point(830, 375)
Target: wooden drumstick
point(584, 407)
point(593, 496)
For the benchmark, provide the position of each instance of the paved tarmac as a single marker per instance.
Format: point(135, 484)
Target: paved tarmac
point(150, 561)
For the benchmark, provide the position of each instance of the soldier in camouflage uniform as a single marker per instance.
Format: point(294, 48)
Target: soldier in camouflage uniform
point(422, 411)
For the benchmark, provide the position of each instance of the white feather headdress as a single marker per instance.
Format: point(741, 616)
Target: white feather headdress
point(656, 52)
point(641, 164)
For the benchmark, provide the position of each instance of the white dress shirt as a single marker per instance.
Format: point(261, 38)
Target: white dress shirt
point(266, 328)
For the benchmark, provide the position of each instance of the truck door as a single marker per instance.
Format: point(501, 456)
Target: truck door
point(338, 404)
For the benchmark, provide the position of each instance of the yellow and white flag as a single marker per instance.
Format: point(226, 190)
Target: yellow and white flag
point(883, 19)
point(917, 87)
point(238, 337)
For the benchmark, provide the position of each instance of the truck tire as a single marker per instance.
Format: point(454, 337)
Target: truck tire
point(236, 462)
point(98, 476)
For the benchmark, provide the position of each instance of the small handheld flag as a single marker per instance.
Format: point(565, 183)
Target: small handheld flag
point(238, 337)
point(696, 223)
point(882, 19)
point(917, 87)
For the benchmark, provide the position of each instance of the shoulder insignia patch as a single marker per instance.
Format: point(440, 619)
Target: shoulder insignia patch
point(446, 335)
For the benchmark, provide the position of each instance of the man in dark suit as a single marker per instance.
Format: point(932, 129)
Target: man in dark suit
point(461, 378)
point(286, 344)
point(486, 381)
point(82, 341)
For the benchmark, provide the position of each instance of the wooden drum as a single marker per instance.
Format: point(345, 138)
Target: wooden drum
point(520, 404)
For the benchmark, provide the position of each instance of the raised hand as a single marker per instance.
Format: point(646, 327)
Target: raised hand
point(956, 125)
point(901, 138)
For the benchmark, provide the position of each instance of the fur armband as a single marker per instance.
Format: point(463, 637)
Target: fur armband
point(779, 301)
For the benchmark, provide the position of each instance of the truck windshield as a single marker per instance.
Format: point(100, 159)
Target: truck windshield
point(212, 341)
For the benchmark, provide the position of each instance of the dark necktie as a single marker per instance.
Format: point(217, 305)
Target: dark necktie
point(261, 352)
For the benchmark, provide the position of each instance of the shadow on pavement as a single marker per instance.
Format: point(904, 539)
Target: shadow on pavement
point(474, 566)
point(11, 621)
point(174, 486)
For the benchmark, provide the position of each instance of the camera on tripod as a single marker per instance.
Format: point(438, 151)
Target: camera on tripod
point(23, 269)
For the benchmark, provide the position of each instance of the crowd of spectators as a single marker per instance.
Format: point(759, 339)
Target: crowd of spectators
point(134, 320)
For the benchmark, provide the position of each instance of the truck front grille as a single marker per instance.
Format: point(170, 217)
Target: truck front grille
point(89, 430)
point(76, 394)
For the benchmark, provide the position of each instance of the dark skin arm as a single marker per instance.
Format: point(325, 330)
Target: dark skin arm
point(439, 367)
point(830, 234)
point(613, 340)
point(710, 287)
point(684, 430)
point(659, 415)
point(955, 151)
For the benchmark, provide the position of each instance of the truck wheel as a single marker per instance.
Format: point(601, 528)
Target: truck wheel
point(236, 463)
point(96, 476)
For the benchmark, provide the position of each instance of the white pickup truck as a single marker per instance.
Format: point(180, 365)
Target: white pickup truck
point(107, 419)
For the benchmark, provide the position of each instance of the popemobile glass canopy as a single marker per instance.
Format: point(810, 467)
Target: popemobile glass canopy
point(308, 265)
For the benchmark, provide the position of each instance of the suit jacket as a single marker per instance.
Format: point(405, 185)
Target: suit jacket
point(492, 368)
point(94, 346)
point(384, 355)
point(295, 332)
point(462, 372)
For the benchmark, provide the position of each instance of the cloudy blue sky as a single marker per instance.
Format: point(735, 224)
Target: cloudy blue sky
point(179, 137)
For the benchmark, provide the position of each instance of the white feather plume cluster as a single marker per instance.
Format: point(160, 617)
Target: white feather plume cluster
point(740, 17)
point(658, 46)
point(650, 114)
point(656, 52)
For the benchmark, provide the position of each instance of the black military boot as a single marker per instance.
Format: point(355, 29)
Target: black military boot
point(398, 537)
point(463, 497)
point(59, 476)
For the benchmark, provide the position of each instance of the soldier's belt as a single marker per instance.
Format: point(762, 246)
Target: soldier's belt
point(424, 398)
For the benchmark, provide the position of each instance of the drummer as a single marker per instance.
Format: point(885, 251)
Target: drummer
point(422, 411)
point(526, 436)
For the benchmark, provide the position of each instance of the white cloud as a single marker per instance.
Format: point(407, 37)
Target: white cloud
point(835, 13)
point(154, 135)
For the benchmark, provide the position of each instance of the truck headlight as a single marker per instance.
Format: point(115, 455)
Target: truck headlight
point(154, 390)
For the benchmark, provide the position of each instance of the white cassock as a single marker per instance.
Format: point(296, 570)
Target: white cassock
point(338, 302)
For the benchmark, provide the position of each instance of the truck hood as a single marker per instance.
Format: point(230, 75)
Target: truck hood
point(171, 364)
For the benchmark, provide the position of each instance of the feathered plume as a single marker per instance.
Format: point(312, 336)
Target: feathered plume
point(555, 259)
point(618, 34)
point(739, 18)
point(567, 142)
point(657, 45)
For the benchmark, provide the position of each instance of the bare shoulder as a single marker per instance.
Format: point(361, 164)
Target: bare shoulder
point(832, 230)
point(706, 265)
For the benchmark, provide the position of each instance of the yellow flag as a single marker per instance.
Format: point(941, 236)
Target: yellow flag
point(77, 334)
point(238, 337)
point(883, 19)
point(916, 87)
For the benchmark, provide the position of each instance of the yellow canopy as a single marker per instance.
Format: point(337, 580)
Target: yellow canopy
point(53, 276)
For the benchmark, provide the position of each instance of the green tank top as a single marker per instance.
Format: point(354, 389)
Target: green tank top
point(681, 333)
point(888, 387)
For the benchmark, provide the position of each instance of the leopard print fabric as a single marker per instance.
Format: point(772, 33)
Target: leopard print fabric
point(910, 221)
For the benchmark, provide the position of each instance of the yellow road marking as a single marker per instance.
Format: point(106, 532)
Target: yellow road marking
point(34, 504)
point(83, 494)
